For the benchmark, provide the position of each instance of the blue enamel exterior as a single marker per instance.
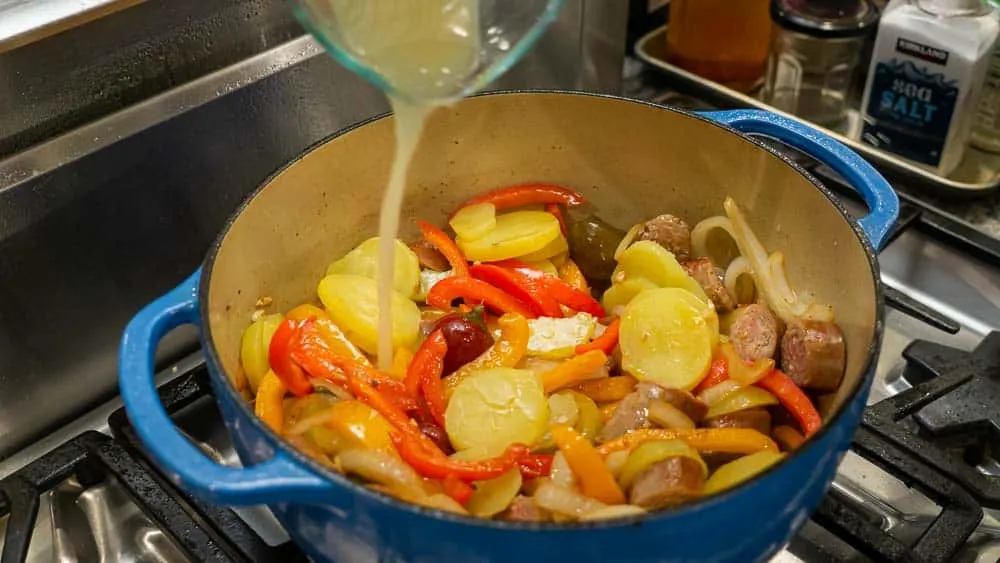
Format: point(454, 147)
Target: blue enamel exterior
point(336, 521)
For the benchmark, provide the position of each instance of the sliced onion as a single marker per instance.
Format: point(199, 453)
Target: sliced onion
point(616, 511)
point(627, 240)
point(740, 266)
point(669, 416)
point(561, 473)
point(699, 235)
point(303, 425)
point(332, 388)
point(379, 467)
point(443, 502)
point(717, 393)
point(563, 501)
point(615, 461)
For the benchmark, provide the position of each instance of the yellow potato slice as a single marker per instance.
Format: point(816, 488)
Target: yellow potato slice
point(474, 221)
point(363, 261)
point(667, 336)
point(621, 293)
point(254, 348)
point(352, 302)
point(552, 251)
point(515, 234)
point(494, 495)
point(646, 259)
point(494, 408)
point(739, 470)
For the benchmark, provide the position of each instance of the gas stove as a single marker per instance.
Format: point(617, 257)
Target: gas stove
point(922, 482)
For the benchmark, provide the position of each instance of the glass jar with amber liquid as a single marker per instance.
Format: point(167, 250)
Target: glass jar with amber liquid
point(725, 41)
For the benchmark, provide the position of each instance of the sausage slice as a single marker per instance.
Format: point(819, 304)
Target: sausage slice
point(670, 232)
point(813, 354)
point(754, 333)
point(758, 419)
point(430, 257)
point(686, 403)
point(668, 482)
point(710, 279)
point(632, 412)
point(524, 509)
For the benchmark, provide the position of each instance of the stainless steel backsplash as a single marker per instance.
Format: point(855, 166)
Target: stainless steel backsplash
point(126, 142)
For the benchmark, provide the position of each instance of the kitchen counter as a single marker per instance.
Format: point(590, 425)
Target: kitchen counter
point(982, 213)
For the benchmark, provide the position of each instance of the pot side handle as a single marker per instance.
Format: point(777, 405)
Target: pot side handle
point(883, 204)
point(281, 477)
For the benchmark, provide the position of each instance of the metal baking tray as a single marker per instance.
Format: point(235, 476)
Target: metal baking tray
point(978, 174)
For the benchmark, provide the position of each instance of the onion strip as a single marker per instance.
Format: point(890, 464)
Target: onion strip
point(699, 235)
point(627, 240)
point(738, 267)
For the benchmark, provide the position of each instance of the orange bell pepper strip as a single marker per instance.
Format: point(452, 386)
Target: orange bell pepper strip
point(305, 312)
point(505, 352)
point(608, 389)
point(744, 373)
point(596, 480)
point(605, 342)
point(608, 410)
point(435, 465)
point(718, 440)
point(574, 370)
point(527, 194)
point(457, 489)
point(718, 372)
point(269, 404)
point(447, 247)
point(527, 287)
point(554, 210)
point(279, 356)
point(328, 331)
point(426, 368)
point(475, 292)
point(570, 273)
point(787, 437)
point(793, 399)
point(400, 363)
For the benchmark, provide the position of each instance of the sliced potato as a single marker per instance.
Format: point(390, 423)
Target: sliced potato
point(559, 247)
point(352, 302)
point(739, 470)
point(515, 234)
point(495, 495)
point(254, 347)
point(621, 293)
point(667, 336)
point(363, 261)
point(494, 408)
point(553, 338)
point(742, 399)
point(545, 266)
point(647, 259)
point(474, 221)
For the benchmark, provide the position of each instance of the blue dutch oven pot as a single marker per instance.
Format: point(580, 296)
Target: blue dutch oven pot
point(633, 160)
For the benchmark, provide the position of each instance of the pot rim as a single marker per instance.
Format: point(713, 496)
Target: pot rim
point(859, 393)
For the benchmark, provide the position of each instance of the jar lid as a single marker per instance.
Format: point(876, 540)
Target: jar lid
point(825, 18)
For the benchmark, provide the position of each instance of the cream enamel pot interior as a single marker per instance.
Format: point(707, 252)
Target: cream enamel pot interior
point(633, 160)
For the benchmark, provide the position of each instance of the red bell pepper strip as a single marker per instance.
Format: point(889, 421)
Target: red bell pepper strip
point(476, 292)
point(605, 342)
point(555, 211)
point(792, 398)
point(279, 356)
point(526, 286)
point(434, 466)
point(717, 373)
point(446, 246)
point(527, 194)
point(536, 465)
point(427, 365)
point(457, 489)
point(562, 292)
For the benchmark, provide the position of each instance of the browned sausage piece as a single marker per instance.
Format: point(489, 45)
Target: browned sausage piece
point(666, 483)
point(671, 233)
point(430, 257)
point(757, 419)
point(754, 333)
point(710, 279)
point(524, 509)
point(813, 354)
point(632, 412)
point(686, 402)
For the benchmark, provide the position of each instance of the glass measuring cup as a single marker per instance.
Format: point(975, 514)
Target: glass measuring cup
point(427, 50)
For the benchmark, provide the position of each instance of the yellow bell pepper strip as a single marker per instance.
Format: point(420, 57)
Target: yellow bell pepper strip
point(332, 336)
point(788, 438)
point(744, 373)
point(279, 355)
point(362, 425)
point(556, 211)
point(793, 399)
point(606, 342)
point(400, 363)
point(476, 292)
point(505, 352)
point(269, 404)
point(596, 480)
point(527, 288)
point(447, 247)
point(608, 389)
point(427, 366)
point(527, 194)
point(573, 370)
point(435, 465)
point(608, 410)
point(570, 273)
point(718, 440)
